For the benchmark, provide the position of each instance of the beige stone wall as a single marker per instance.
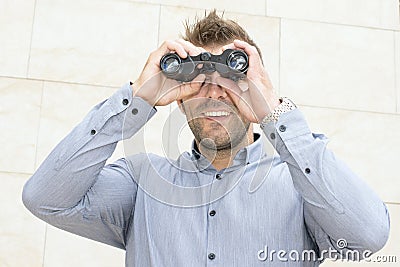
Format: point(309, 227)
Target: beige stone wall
point(338, 59)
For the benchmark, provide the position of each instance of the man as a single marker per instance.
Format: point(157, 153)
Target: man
point(227, 203)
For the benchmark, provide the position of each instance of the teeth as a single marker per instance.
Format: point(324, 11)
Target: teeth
point(216, 113)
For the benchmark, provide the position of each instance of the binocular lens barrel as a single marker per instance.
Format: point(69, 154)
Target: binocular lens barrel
point(171, 63)
point(237, 61)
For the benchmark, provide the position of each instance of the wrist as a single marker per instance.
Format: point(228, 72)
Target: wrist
point(274, 104)
point(284, 106)
point(138, 91)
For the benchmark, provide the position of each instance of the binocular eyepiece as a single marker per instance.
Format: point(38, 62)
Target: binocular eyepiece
point(232, 64)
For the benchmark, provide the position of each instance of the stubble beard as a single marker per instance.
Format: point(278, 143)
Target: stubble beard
point(219, 137)
point(214, 135)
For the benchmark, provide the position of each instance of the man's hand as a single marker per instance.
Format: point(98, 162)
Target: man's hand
point(158, 90)
point(255, 96)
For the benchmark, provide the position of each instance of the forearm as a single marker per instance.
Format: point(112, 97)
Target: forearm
point(337, 200)
point(73, 166)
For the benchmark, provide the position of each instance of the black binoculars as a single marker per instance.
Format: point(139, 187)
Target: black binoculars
point(232, 64)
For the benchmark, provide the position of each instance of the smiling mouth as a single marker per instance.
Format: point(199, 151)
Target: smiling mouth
point(216, 114)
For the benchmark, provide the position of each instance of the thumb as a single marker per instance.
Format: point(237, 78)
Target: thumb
point(192, 87)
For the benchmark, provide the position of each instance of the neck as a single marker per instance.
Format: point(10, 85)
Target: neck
point(223, 158)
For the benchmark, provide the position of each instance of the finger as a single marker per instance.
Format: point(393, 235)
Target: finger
point(190, 48)
point(231, 88)
point(193, 87)
point(242, 103)
point(238, 98)
point(169, 46)
point(251, 51)
point(198, 81)
point(229, 46)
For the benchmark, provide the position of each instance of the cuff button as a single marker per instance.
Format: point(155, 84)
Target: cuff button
point(282, 128)
point(125, 102)
point(135, 111)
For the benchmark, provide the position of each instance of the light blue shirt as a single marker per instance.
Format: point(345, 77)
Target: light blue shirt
point(184, 212)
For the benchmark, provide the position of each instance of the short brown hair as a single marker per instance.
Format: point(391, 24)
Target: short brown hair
point(215, 30)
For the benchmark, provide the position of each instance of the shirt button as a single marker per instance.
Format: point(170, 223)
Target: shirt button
point(282, 128)
point(212, 213)
point(307, 170)
point(272, 135)
point(135, 111)
point(211, 256)
point(125, 102)
point(218, 176)
point(93, 132)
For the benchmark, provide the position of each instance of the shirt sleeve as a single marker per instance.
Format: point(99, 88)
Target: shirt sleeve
point(74, 190)
point(341, 212)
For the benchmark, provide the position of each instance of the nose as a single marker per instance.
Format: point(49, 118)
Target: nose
point(213, 89)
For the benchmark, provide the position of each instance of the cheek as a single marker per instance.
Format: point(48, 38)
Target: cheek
point(193, 102)
point(188, 109)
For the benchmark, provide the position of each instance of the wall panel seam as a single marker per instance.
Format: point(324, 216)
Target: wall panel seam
point(31, 39)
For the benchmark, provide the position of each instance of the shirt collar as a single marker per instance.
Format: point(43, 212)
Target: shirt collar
point(249, 154)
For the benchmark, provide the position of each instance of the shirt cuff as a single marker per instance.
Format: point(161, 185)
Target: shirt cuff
point(290, 125)
point(116, 118)
point(132, 111)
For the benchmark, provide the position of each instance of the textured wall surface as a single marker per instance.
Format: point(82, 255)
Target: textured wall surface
point(339, 60)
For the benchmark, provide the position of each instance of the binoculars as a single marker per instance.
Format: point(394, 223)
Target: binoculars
point(232, 64)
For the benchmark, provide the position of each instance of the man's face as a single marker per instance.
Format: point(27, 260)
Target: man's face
point(213, 117)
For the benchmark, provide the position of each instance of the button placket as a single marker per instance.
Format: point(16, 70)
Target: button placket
point(213, 223)
point(211, 235)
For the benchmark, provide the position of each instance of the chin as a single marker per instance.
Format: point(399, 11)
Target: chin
point(215, 145)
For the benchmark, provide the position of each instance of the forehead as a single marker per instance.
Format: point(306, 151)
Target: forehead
point(215, 50)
